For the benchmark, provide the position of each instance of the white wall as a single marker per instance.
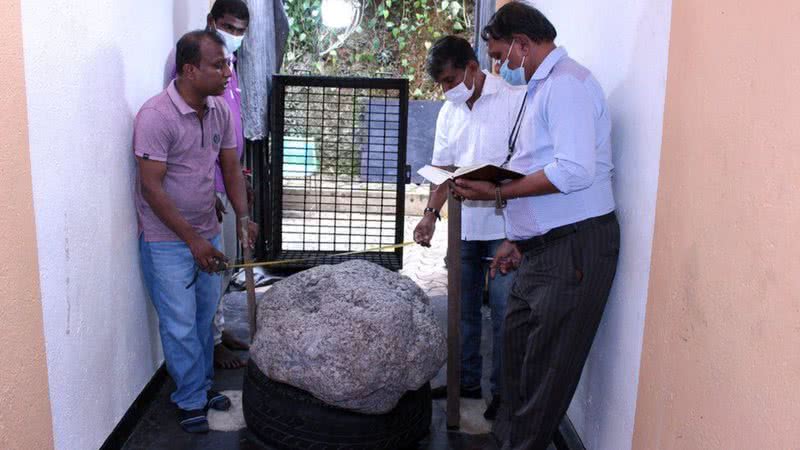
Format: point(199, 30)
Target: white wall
point(89, 66)
point(625, 44)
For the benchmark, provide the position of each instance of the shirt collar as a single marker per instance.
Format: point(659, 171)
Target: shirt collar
point(490, 87)
point(180, 103)
point(490, 83)
point(550, 61)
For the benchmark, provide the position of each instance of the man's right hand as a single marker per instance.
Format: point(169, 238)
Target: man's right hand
point(219, 207)
point(206, 256)
point(423, 233)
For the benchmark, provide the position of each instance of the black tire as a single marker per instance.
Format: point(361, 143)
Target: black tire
point(285, 417)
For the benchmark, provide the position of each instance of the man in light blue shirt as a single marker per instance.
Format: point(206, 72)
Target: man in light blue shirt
point(562, 233)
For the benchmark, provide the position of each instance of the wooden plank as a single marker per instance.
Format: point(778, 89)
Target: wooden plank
point(250, 284)
point(453, 312)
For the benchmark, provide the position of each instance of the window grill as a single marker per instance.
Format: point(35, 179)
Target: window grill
point(338, 169)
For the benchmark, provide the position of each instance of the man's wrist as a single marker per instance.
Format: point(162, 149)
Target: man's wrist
point(499, 200)
point(193, 239)
point(431, 212)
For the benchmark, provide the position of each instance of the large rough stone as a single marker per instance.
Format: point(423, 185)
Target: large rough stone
point(354, 335)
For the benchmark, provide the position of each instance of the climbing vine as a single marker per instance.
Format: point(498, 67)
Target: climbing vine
point(391, 39)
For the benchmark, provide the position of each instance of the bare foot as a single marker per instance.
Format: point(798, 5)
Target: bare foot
point(232, 343)
point(226, 359)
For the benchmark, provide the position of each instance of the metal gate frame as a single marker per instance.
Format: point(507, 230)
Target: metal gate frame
point(256, 159)
point(273, 207)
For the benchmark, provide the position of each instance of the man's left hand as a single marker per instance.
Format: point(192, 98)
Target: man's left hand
point(251, 194)
point(247, 231)
point(474, 190)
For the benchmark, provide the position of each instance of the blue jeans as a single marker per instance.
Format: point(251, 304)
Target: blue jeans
point(184, 316)
point(473, 278)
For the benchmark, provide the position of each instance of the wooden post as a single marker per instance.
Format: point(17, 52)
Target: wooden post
point(251, 292)
point(453, 312)
point(250, 284)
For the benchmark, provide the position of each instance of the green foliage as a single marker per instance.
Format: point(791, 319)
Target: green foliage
point(392, 39)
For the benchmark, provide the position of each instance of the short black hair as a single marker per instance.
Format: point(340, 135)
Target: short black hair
point(188, 49)
point(448, 50)
point(236, 8)
point(519, 18)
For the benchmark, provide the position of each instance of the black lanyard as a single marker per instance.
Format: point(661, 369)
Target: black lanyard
point(512, 138)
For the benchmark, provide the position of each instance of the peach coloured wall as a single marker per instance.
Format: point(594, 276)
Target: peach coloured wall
point(721, 356)
point(25, 413)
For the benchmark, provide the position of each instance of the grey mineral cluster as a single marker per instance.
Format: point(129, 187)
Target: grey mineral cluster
point(355, 335)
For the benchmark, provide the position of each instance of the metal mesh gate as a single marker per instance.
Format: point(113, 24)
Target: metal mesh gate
point(338, 169)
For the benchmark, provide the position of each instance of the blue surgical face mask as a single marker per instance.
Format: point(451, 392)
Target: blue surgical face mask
point(514, 77)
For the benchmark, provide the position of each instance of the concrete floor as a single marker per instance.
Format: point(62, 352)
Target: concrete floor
point(159, 428)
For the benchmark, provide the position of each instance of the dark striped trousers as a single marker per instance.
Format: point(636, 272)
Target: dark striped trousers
point(553, 312)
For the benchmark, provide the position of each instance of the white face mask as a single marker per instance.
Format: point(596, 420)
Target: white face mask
point(232, 43)
point(461, 93)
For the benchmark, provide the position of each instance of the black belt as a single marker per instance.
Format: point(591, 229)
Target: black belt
point(562, 231)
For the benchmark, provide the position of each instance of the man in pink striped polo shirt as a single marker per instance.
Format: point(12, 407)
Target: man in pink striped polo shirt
point(230, 19)
point(179, 135)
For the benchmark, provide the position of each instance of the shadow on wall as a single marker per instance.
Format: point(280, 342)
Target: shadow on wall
point(180, 19)
point(101, 330)
point(181, 13)
point(97, 221)
point(105, 90)
point(102, 276)
point(609, 384)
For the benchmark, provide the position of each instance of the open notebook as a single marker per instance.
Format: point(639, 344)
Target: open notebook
point(480, 172)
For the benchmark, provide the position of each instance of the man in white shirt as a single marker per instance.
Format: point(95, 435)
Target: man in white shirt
point(560, 217)
point(473, 127)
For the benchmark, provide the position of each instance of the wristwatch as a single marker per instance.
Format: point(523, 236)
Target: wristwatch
point(499, 203)
point(434, 211)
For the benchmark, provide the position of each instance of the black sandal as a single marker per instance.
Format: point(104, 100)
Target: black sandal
point(193, 420)
point(217, 401)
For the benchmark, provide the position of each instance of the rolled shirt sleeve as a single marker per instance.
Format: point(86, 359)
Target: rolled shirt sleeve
point(152, 135)
point(570, 113)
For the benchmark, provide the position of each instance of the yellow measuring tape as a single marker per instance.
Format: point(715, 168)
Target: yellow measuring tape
point(297, 260)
